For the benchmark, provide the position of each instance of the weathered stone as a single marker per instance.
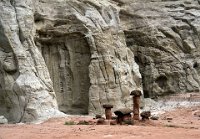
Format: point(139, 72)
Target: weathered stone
point(72, 55)
point(63, 55)
point(154, 117)
point(123, 111)
point(26, 92)
point(145, 115)
point(164, 36)
point(3, 120)
point(98, 116)
point(123, 115)
point(196, 113)
point(101, 121)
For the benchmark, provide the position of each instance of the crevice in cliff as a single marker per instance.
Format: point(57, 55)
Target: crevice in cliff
point(68, 61)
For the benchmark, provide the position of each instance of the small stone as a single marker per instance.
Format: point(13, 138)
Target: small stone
point(113, 122)
point(3, 120)
point(98, 116)
point(196, 113)
point(114, 118)
point(145, 114)
point(101, 121)
point(154, 117)
point(169, 118)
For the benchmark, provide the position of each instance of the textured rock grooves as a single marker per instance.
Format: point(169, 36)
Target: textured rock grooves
point(68, 59)
point(86, 54)
point(72, 55)
point(26, 92)
point(164, 36)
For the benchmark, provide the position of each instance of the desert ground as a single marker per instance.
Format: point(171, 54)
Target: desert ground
point(180, 123)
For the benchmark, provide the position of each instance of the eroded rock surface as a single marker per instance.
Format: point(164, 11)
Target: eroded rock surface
point(164, 36)
point(26, 92)
point(69, 55)
point(85, 50)
point(72, 55)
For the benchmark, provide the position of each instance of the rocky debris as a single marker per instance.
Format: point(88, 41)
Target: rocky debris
point(101, 121)
point(123, 115)
point(154, 117)
point(113, 122)
point(196, 113)
point(145, 115)
point(3, 120)
point(169, 118)
point(98, 116)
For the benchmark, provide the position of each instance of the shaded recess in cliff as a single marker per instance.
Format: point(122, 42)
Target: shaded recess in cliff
point(91, 28)
point(67, 58)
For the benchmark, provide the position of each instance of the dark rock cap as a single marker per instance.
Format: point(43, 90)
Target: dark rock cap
point(123, 111)
point(107, 106)
point(136, 93)
point(145, 114)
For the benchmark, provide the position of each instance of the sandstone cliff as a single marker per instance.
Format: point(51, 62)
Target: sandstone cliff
point(76, 55)
point(66, 55)
point(165, 38)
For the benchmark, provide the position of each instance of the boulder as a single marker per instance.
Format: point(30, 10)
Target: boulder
point(3, 120)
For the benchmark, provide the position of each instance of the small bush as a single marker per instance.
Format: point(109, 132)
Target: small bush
point(83, 123)
point(69, 123)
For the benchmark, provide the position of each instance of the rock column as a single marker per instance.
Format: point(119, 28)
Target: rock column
point(136, 104)
point(108, 112)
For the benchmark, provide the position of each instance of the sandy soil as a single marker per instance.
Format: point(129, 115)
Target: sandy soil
point(182, 123)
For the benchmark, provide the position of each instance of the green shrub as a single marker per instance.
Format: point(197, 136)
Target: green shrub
point(69, 123)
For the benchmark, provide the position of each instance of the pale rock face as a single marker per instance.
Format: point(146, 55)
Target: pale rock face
point(87, 56)
point(26, 91)
point(63, 55)
point(76, 55)
point(164, 36)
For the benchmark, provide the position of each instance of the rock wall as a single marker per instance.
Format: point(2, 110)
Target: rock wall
point(76, 55)
point(164, 36)
point(93, 64)
point(67, 55)
point(26, 91)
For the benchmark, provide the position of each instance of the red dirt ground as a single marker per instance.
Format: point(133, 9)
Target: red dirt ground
point(185, 124)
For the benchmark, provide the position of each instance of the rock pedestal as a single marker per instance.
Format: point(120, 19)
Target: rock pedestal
point(108, 112)
point(136, 104)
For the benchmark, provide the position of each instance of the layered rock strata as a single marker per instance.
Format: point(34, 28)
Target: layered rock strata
point(164, 36)
point(63, 55)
